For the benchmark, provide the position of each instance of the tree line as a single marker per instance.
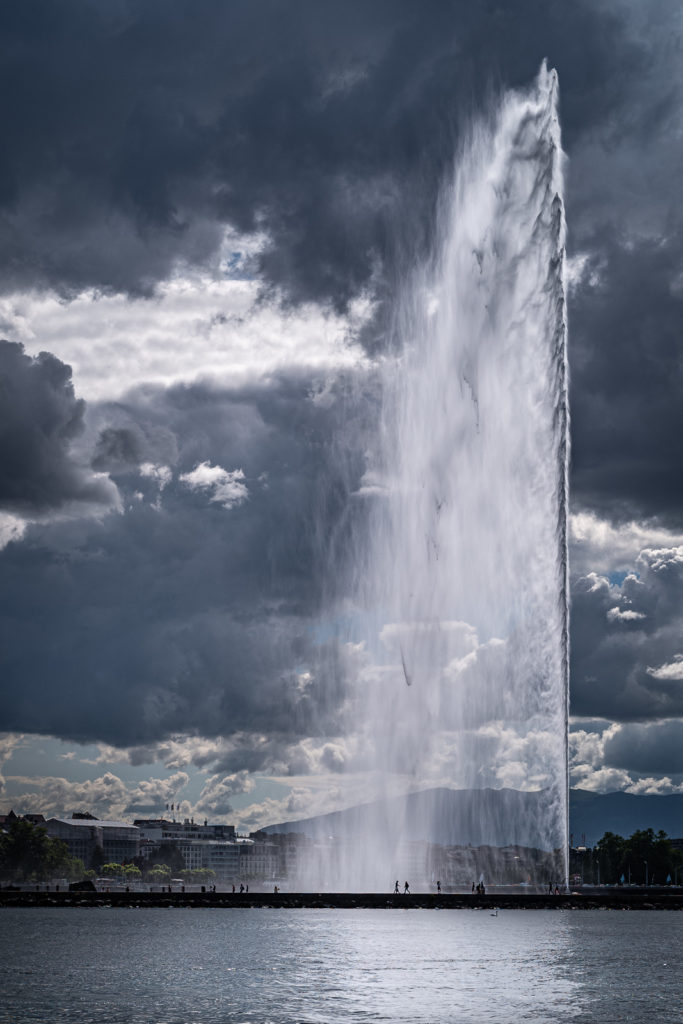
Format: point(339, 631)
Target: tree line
point(29, 854)
point(644, 858)
point(159, 873)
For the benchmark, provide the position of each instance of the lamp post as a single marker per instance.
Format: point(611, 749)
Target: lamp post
point(646, 875)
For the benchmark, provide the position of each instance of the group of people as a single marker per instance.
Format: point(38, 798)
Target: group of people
point(406, 888)
point(479, 888)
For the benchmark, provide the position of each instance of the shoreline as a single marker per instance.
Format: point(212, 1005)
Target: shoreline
point(348, 901)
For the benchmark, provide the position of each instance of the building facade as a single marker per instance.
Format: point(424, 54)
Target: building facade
point(96, 841)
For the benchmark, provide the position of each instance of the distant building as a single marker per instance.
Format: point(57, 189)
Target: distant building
point(293, 853)
point(259, 856)
point(201, 846)
point(233, 858)
point(159, 828)
point(93, 840)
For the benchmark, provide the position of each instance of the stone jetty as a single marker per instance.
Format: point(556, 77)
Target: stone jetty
point(594, 899)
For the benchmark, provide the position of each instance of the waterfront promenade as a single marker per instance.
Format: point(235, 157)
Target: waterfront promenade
point(587, 899)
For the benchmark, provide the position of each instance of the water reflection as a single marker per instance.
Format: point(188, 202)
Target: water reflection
point(184, 966)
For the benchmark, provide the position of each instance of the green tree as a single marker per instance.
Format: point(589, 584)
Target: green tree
point(75, 869)
point(204, 875)
point(159, 873)
point(198, 875)
point(645, 855)
point(132, 873)
point(609, 855)
point(170, 856)
point(111, 870)
point(27, 852)
point(651, 856)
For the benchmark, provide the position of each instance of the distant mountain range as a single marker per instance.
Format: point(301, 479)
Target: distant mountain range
point(496, 817)
point(593, 814)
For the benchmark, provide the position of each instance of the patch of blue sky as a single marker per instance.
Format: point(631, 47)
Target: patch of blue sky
point(617, 578)
point(239, 266)
point(41, 756)
point(263, 788)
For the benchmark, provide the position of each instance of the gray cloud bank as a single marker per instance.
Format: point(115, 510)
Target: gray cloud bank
point(628, 640)
point(40, 418)
point(134, 134)
point(181, 613)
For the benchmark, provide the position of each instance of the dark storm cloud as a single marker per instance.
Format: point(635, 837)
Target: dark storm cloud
point(132, 132)
point(652, 749)
point(117, 449)
point(627, 414)
point(132, 135)
point(123, 447)
point(625, 643)
point(40, 418)
point(180, 615)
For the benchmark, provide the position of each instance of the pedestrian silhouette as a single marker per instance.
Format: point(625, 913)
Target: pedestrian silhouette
point(396, 886)
point(406, 889)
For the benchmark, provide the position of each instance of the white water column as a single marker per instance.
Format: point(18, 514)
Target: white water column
point(459, 586)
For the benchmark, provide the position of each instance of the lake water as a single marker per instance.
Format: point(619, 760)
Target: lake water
point(185, 966)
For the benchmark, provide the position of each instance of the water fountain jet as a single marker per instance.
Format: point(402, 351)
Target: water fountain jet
point(459, 579)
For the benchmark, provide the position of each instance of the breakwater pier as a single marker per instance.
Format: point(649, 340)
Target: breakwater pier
point(592, 899)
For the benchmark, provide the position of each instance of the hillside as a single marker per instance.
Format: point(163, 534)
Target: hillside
point(496, 817)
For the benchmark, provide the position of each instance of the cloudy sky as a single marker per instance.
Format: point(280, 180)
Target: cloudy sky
point(206, 209)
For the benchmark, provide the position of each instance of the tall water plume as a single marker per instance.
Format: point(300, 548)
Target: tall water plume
point(458, 633)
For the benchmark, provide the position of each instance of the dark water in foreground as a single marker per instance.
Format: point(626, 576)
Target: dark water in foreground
point(183, 966)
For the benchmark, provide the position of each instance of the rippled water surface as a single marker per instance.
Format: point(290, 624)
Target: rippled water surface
point(184, 966)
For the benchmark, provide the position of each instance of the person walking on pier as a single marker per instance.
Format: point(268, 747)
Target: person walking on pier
point(396, 886)
point(406, 889)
